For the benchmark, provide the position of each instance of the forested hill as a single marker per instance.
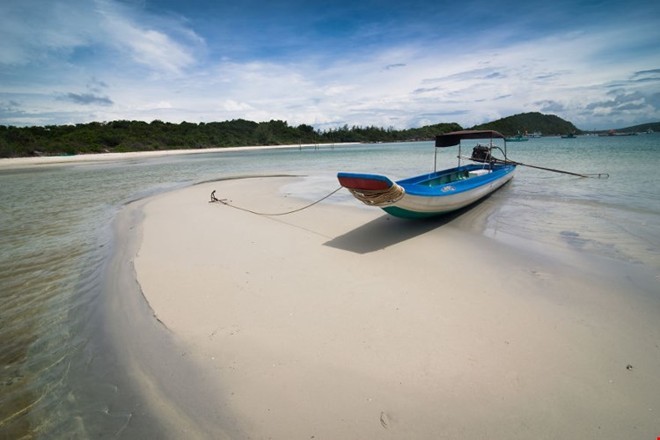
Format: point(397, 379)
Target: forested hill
point(530, 123)
point(123, 136)
point(653, 126)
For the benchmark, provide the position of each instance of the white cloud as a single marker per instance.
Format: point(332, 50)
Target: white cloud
point(149, 46)
point(230, 105)
point(156, 67)
point(34, 31)
point(37, 31)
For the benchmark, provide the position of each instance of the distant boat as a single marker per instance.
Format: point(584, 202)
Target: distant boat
point(517, 138)
point(614, 133)
point(440, 192)
point(569, 136)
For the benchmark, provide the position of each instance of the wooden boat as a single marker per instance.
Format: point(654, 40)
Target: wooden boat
point(439, 192)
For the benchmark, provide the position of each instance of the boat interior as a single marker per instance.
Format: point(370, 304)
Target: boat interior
point(455, 175)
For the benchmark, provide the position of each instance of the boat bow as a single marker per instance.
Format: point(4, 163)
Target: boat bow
point(372, 189)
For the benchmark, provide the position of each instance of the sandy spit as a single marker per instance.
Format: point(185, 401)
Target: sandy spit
point(340, 322)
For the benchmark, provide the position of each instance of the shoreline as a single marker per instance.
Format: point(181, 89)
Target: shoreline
point(342, 322)
point(29, 162)
point(153, 359)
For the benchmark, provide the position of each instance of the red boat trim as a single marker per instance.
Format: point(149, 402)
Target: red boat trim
point(363, 183)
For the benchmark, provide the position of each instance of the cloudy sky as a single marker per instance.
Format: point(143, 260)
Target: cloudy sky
point(403, 63)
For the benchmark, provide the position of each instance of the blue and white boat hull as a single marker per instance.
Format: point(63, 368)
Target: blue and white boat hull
point(431, 194)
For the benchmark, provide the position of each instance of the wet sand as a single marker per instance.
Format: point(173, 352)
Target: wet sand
point(342, 322)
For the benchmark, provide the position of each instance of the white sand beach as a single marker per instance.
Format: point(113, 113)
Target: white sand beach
point(340, 322)
point(28, 162)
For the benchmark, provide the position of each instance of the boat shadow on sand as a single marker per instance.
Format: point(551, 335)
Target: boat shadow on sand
point(387, 230)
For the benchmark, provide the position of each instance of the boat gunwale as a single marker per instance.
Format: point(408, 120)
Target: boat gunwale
point(413, 206)
point(414, 186)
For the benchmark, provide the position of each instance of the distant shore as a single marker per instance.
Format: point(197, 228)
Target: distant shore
point(342, 322)
point(28, 162)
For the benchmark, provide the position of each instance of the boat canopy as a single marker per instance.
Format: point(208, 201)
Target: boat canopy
point(455, 137)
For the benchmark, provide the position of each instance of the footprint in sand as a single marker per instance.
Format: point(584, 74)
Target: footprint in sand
point(541, 275)
point(384, 420)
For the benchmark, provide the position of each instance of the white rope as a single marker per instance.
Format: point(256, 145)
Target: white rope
point(379, 197)
point(226, 203)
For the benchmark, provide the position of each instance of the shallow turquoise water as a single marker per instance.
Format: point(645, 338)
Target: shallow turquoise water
point(57, 379)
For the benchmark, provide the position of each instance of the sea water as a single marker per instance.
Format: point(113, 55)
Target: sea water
point(58, 378)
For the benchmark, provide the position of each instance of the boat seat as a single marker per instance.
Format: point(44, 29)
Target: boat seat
point(476, 173)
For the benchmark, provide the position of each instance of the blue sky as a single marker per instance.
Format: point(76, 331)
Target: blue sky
point(386, 63)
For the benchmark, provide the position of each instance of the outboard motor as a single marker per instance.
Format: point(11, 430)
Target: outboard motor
point(481, 153)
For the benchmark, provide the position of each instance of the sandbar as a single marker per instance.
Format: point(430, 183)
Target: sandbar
point(341, 322)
